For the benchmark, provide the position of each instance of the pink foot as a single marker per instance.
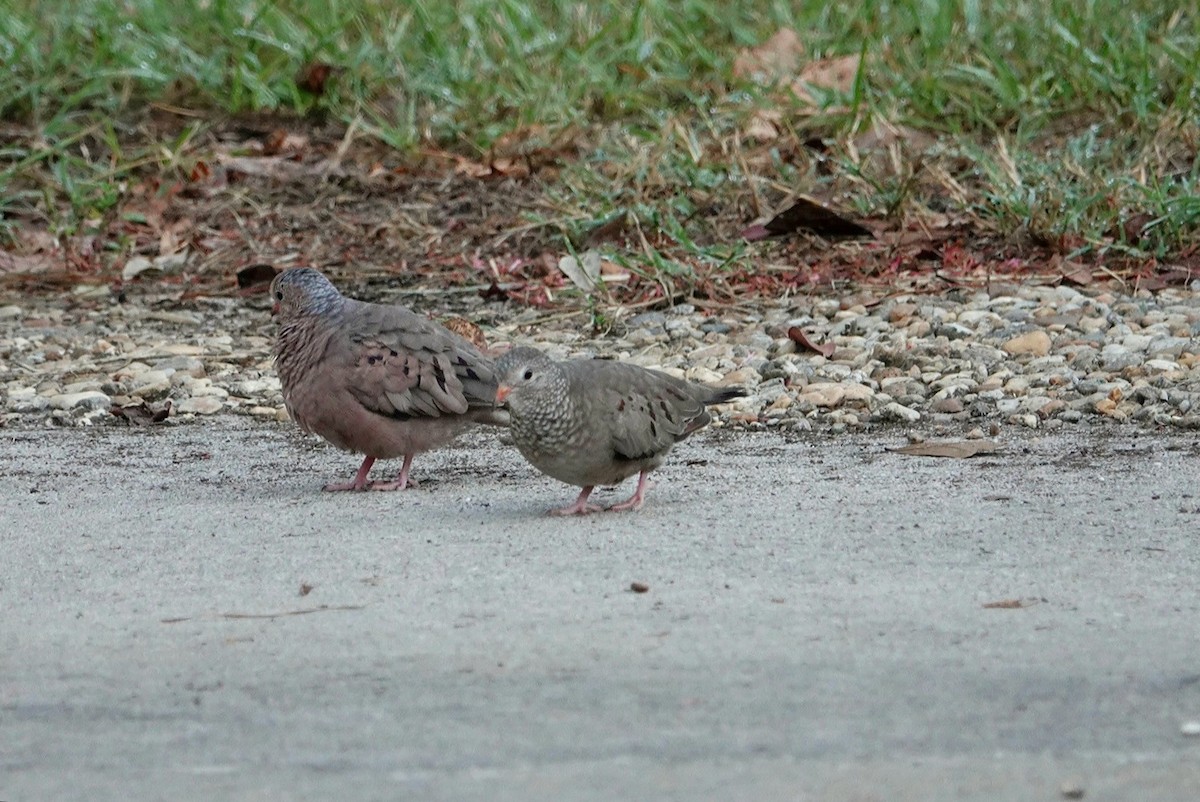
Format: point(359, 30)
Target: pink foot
point(635, 501)
point(402, 481)
point(580, 507)
point(359, 482)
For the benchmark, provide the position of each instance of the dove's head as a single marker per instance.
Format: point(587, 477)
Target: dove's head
point(303, 291)
point(528, 377)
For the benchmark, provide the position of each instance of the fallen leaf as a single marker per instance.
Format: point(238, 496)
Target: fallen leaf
point(305, 588)
point(836, 74)
point(613, 228)
point(142, 414)
point(954, 449)
point(584, 272)
point(797, 335)
point(1135, 226)
point(467, 330)
point(281, 141)
point(776, 58)
point(613, 273)
point(1076, 273)
point(254, 275)
point(763, 126)
point(1010, 604)
point(313, 77)
point(808, 215)
point(200, 171)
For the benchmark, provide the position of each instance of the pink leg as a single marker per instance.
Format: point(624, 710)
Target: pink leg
point(359, 482)
point(580, 507)
point(634, 502)
point(402, 481)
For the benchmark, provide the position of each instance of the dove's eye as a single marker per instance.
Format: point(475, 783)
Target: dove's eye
point(278, 295)
point(528, 374)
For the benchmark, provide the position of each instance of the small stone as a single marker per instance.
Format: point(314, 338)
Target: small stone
point(702, 375)
point(647, 320)
point(1072, 789)
point(900, 313)
point(947, 405)
point(202, 405)
point(1190, 728)
point(823, 394)
point(255, 388)
point(639, 587)
point(90, 400)
point(183, 365)
point(1116, 358)
point(151, 385)
point(742, 377)
point(900, 412)
point(1035, 342)
point(27, 402)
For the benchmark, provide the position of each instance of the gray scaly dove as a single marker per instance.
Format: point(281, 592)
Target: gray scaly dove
point(376, 379)
point(590, 422)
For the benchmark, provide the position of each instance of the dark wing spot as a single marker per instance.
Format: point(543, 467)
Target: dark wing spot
point(666, 408)
point(373, 359)
point(653, 428)
point(393, 353)
point(439, 376)
point(650, 412)
point(471, 374)
point(404, 369)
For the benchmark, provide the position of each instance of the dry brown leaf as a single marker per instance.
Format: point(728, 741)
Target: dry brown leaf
point(255, 275)
point(797, 335)
point(467, 330)
point(808, 214)
point(313, 77)
point(953, 449)
point(774, 59)
point(612, 229)
point(763, 126)
point(835, 74)
point(1007, 604)
point(141, 413)
point(613, 273)
point(1076, 273)
point(200, 171)
point(280, 141)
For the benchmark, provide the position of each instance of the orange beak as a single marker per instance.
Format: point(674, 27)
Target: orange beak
point(502, 393)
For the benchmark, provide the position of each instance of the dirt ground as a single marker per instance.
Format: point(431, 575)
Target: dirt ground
point(260, 194)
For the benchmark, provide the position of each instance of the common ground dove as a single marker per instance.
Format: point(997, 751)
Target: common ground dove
point(595, 422)
point(379, 380)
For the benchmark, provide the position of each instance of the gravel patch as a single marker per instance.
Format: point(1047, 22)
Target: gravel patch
point(966, 362)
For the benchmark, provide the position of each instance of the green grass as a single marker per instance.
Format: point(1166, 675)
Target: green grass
point(1095, 102)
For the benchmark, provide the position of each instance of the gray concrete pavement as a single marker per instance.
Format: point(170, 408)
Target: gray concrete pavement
point(815, 626)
